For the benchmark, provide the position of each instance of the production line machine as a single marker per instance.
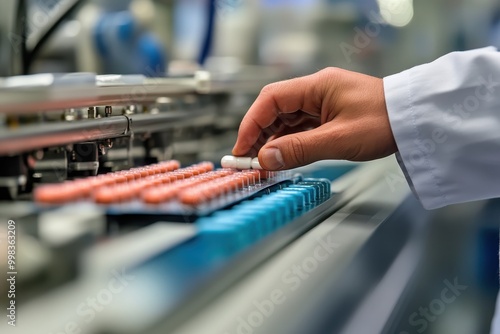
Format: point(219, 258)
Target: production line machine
point(124, 222)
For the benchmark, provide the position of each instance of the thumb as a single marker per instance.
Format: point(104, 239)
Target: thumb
point(300, 149)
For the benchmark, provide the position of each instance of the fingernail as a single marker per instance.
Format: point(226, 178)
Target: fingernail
point(273, 159)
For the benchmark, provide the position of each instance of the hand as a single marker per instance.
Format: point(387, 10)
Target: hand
point(331, 114)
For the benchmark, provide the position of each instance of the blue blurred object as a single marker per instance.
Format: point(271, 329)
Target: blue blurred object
point(487, 246)
point(305, 192)
point(194, 26)
point(125, 48)
point(209, 34)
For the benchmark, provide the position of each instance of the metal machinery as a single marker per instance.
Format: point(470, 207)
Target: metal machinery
point(366, 259)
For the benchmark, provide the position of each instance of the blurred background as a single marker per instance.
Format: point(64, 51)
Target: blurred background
point(377, 37)
point(362, 290)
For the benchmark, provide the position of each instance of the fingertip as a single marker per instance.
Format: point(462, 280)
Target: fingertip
point(271, 158)
point(239, 148)
point(236, 151)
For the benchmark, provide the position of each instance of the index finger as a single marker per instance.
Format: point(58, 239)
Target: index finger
point(281, 97)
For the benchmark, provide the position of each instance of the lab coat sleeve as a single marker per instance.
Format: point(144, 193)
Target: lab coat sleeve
point(445, 117)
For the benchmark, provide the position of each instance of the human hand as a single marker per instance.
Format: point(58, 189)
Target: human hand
point(331, 114)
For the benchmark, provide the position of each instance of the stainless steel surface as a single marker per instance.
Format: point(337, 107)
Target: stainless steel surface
point(47, 92)
point(43, 135)
point(249, 79)
point(167, 120)
point(46, 135)
point(22, 100)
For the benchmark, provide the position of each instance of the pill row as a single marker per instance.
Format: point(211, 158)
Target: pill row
point(205, 192)
point(251, 220)
point(154, 184)
point(70, 191)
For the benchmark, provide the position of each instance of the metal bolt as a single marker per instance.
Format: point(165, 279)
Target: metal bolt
point(39, 154)
point(91, 112)
point(108, 110)
point(70, 114)
point(129, 110)
point(102, 149)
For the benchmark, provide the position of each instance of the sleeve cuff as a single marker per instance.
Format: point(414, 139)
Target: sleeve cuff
point(416, 165)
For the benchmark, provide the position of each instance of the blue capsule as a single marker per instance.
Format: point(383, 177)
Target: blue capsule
point(310, 190)
point(261, 219)
point(328, 185)
point(269, 208)
point(284, 208)
point(288, 199)
point(228, 238)
point(298, 197)
point(245, 223)
point(318, 188)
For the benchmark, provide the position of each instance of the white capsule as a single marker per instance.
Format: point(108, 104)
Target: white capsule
point(229, 161)
point(256, 164)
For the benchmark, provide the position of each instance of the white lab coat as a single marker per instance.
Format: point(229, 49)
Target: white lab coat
point(445, 117)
